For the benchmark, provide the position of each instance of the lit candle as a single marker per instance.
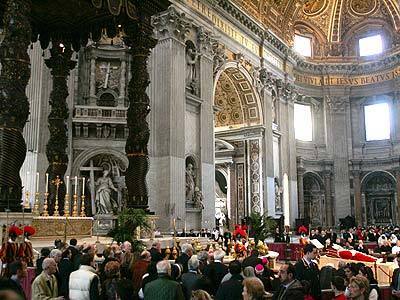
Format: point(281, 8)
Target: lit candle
point(37, 182)
point(76, 184)
point(67, 184)
point(47, 182)
point(83, 185)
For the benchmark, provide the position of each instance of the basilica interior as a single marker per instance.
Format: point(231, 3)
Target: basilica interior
point(202, 111)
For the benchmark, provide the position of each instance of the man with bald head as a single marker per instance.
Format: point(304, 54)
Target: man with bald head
point(45, 285)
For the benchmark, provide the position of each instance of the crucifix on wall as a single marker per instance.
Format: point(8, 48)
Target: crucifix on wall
point(106, 77)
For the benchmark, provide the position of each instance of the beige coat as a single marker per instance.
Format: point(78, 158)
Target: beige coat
point(41, 290)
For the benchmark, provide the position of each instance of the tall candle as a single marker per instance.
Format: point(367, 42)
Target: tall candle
point(37, 182)
point(76, 184)
point(67, 184)
point(47, 182)
point(83, 185)
point(27, 182)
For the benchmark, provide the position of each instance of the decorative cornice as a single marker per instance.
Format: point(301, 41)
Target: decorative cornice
point(171, 23)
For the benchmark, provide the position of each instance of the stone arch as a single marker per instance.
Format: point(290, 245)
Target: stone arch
point(318, 37)
point(314, 198)
point(92, 152)
point(237, 97)
point(378, 194)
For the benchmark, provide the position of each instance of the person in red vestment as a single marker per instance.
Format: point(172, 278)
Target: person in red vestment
point(25, 251)
point(9, 249)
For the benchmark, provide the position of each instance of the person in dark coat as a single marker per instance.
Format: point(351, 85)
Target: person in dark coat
point(18, 271)
point(65, 268)
point(75, 258)
point(187, 252)
point(395, 284)
point(44, 253)
point(155, 252)
point(291, 288)
point(192, 280)
point(306, 269)
point(232, 289)
point(164, 287)
point(216, 270)
point(253, 260)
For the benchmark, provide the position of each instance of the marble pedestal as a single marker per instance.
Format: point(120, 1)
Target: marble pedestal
point(104, 223)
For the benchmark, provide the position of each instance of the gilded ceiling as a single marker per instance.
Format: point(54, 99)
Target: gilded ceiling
point(330, 20)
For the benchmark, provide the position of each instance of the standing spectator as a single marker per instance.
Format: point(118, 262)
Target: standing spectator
point(84, 283)
point(395, 284)
point(192, 280)
point(253, 289)
point(202, 256)
point(44, 253)
point(253, 260)
point(216, 270)
point(338, 288)
point(259, 270)
point(155, 252)
point(187, 252)
point(73, 247)
point(139, 269)
point(114, 287)
point(396, 248)
point(65, 268)
point(373, 283)
point(291, 288)
point(358, 288)
point(232, 289)
point(163, 287)
point(18, 271)
point(45, 285)
point(306, 269)
point(56, 255)
point(201, 295)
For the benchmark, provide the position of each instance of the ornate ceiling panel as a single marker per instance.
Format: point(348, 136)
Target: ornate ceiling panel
point(330, 19)
point(235, 97)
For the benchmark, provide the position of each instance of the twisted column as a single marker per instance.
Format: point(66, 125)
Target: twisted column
point(140, 42)
point(14, 105)
point(60, 64)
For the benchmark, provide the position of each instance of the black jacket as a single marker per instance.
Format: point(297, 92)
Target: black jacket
point(231, 289)
point(311, 274)
point(65, 268)
point(155, 255)
point(293, 292)
point(215, 271)
point(183, 260)
point(252, 261)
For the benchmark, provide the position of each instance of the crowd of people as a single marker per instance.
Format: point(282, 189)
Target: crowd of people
point(96, 271)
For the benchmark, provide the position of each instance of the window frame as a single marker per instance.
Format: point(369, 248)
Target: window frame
point(369, 35)
point(307, 36)
point(364, 125)
point(312, 122)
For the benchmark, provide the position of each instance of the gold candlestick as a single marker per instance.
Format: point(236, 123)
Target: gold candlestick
point(75, 206)
point(66, 205)
point(36, 205)
point(45, 213)
point(26, 202)
point(57, 182)
point(83, 214)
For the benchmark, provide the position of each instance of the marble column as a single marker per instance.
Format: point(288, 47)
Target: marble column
point(337, 143)
point(122, 84)
point(167, 119)
point(397, 199)
point(300, 187)
point(92, 89)
point(207, 126)
point(269, 186)
point(357, 197)
point(14, 106)
point(328, 197)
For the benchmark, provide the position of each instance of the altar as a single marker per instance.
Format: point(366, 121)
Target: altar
point(53, 226)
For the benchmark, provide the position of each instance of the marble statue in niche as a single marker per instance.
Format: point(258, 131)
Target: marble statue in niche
point(105, 204)
point(192, 56)
point(190, 182)
point(278, 195)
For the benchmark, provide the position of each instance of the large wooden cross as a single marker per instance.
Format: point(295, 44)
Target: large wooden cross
point(91, 170)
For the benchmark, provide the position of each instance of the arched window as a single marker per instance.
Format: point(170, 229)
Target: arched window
point(303, 129)
point(303, 45)
point(370, 45)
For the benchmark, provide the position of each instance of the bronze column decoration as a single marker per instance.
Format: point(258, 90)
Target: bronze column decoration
point(138, 39)
point(60, 64)
point(14, 105)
